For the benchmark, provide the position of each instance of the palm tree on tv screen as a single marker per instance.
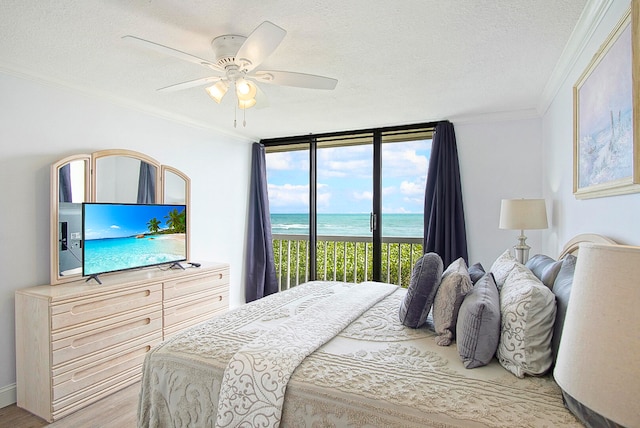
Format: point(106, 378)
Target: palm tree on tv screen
point(154, 225)
point(177, 221)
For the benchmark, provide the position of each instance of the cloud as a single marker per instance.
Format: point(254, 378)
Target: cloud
point(366, 195)
point(296, 195)
point(114, 226)
point(284, 161)
point(412, 188)
point(402, 160)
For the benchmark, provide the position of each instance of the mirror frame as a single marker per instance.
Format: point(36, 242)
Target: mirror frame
point(90, 192)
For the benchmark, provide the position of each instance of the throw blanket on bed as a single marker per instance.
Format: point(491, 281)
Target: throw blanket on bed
point(255, 380)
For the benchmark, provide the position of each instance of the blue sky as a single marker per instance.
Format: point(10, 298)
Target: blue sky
point(345, 177)
point(116, 221)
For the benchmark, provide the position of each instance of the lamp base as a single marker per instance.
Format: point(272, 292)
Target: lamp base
point(522, 249)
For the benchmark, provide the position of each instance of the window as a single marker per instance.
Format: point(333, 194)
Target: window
point(348, 206)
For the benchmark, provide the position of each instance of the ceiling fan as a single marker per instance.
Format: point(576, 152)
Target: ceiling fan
point(236, 63)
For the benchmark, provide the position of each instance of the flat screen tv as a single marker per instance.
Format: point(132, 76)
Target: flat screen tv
point(119, 237)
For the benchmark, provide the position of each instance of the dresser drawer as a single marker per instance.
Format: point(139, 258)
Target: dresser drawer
point(194, 284)
point(78, 311)
point(84, 381)
point(196, 306)
point(100, 338)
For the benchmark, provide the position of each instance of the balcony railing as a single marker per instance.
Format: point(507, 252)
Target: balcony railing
point(344, 258)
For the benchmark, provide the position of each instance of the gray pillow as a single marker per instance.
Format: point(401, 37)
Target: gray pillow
point(476, 271)
point(562, 291)
point(455, 284)
point(425, 279)
point(544, 268)
point(478, 327)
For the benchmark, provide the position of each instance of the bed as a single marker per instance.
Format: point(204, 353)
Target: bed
point(334, 354)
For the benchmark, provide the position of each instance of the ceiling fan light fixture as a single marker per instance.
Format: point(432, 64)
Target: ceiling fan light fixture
point(217, 91)
point(245, 104)
point(245, 90)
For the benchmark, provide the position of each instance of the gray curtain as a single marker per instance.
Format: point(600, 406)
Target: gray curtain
point(444, 225)
point(64, 187)
point(260, 270)
point(147, 184)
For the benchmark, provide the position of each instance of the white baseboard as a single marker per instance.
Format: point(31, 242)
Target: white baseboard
point(7, 395)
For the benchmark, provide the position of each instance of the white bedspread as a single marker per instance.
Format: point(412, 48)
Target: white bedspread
point(255, 380)
point(374, 373)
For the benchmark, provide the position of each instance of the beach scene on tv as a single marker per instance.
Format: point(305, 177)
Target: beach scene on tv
point(121, 236)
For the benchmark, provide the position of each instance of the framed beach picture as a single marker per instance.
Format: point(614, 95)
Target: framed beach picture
point(606, 116)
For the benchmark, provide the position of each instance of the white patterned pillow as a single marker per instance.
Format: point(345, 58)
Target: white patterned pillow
point(455, 284)
point(527, 314)
point(502, 267)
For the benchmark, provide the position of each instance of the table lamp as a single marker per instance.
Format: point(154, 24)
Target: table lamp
point(523, 214)
point(598, 362)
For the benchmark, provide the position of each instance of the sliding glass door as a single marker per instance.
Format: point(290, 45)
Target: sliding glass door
point(348, 206)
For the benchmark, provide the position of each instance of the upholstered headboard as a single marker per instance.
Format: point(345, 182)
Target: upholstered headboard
point(571, 247)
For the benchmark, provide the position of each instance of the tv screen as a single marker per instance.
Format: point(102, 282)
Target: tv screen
point(128, 236)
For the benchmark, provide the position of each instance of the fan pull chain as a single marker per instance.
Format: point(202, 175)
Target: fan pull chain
point(235, 113)
point(244, 118)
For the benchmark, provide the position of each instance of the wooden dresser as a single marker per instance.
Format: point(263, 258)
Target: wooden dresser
point(78, 342)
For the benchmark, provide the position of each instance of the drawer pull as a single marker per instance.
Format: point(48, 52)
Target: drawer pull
point(95, 337)
point(77, 376)
point(109, 301)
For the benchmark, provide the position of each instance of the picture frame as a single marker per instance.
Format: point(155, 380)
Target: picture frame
point(606, 107)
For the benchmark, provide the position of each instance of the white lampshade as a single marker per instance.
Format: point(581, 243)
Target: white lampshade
point(244, 104)
point(217, 91)
point(598, 361)
point(523, 214)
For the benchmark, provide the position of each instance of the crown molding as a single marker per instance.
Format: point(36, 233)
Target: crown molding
point(589, 20)
point(122, 103)
point(499, 116)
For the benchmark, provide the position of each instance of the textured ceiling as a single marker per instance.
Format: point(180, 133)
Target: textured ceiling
point(397, 62)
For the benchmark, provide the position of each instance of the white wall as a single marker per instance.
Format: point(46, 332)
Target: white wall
point(615, 216)
point(499, 159)
point(41, 124)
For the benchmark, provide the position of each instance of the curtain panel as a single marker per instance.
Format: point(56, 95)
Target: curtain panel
point(64, 186)
point(146, 184)
point(444, 225)
point(260, 270)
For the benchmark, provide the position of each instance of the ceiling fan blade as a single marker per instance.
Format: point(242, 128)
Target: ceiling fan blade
point(260, 44)
point(299, 80)
point(171, 52)
point(190, 84)
point(262, 100)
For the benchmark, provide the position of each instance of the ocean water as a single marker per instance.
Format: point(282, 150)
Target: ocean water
point(398, 225)
point(103, 255)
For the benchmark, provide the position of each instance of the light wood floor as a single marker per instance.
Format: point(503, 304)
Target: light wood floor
point(118, 410)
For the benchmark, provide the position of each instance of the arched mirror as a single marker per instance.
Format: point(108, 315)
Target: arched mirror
point(124, 176)
point(118, 176)
point(69, 189)
point(175, 186)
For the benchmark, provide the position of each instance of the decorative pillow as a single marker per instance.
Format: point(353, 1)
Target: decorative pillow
point(455, 284)
point(478, 328)
point(527, 315)
point(544, 268)
point(502, 266)
point(562, 291)
point(425, 279)
point(476, 271)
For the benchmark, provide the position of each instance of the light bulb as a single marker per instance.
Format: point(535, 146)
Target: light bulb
point(245, 90)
